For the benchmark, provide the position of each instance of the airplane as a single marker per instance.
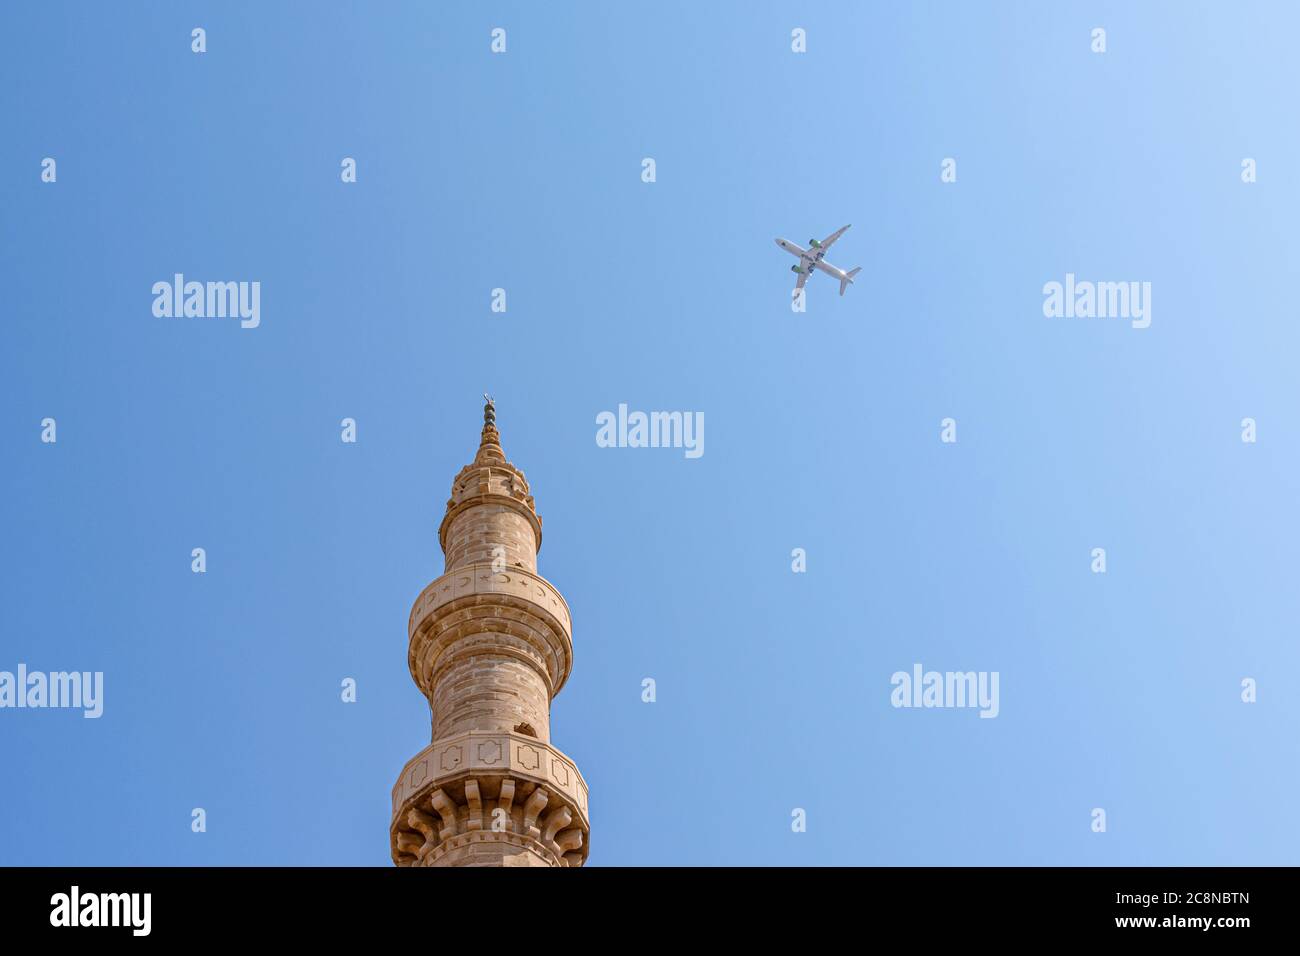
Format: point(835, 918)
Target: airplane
point(811, 258)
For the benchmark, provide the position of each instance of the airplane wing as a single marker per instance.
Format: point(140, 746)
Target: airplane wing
point(826, 243)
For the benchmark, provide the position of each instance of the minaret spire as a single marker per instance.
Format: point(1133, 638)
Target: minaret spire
point(490, 646)
point(489, 448)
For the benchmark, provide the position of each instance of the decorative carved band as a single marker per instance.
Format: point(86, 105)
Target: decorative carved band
point(484, 788)
point(479, 753)
point(475, 579)
point(533, 622)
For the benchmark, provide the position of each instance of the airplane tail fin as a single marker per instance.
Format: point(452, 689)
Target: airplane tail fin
point(848, 278)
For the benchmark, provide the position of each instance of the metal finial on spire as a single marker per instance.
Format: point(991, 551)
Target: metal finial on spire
point(489, 446)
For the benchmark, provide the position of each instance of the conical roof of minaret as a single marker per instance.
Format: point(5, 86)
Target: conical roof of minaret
point(490, 451)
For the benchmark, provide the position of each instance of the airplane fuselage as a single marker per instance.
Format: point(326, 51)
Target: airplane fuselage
point(811, 258)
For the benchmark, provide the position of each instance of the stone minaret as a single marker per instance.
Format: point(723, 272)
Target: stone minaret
point(490, 645)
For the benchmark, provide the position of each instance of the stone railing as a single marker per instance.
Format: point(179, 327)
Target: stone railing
point(478, 579)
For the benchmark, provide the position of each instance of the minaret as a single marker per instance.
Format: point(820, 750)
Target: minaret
point(490, 645)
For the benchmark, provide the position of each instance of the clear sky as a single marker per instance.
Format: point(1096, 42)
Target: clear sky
point(523, 171)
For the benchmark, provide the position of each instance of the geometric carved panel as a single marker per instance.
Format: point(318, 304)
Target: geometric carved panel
point(451, 758)
point(559, 771)
point(418, 773)
point(529, 758)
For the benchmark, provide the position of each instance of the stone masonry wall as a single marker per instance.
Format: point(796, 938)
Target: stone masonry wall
point(474, 535)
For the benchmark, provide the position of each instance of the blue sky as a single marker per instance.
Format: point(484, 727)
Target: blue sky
point(522, 171)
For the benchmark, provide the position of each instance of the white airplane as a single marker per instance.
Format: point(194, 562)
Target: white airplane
point(811, 258)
